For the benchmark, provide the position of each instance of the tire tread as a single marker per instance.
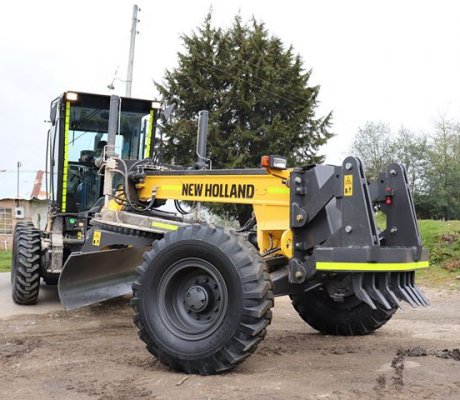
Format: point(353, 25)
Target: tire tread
point(25, 267)
point(318, 310)
point(256, 302)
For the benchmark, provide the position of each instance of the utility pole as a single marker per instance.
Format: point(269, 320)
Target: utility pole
point(134, 32)
point(17, 180)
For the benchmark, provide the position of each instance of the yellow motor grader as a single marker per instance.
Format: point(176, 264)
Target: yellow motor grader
point(202, 294)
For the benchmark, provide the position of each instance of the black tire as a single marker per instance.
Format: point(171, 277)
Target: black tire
point(20, 226)
point(350, 318)
point(202, 299)
point(25, 265)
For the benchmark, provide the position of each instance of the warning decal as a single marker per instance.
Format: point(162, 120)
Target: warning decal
point(348, 185)
point(97, 238)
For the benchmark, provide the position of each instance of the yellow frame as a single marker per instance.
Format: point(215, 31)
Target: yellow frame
point(268, 194)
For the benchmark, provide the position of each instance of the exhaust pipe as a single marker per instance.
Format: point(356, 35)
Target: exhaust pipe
point(202, 139)
point(115, 104)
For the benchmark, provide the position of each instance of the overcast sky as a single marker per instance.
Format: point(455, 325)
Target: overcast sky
point(394, 61)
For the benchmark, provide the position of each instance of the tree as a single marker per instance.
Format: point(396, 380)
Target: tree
point(373, 144)
point(378, 147)
point(411, 150)
point(258, 95)
point(432, 163)
point(443, 174)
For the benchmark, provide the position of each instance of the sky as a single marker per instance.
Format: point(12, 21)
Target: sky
point(391, 61)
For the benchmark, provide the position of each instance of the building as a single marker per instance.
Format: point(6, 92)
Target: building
point(31, 205)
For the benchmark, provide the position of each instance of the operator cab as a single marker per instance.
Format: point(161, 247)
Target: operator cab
point(78, 137)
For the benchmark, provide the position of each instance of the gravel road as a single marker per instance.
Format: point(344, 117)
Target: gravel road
point(94, 353)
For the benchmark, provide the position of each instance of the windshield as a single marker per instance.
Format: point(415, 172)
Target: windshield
point(85, 136)
point(88, 134)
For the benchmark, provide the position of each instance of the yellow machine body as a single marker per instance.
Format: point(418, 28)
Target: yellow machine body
point(267, 193)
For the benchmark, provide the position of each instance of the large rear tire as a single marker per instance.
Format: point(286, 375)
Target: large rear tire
point(25, 264)
point(348, 318)
point(202, 299)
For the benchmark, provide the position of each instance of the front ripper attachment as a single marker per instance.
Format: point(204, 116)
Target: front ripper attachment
point(92, 277)
point(387, 289)
point(335, 233)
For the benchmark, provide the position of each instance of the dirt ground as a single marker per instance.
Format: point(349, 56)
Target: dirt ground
point(94, 353)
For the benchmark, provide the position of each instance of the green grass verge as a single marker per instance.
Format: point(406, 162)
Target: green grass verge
point(442, 239)
point(5, 261)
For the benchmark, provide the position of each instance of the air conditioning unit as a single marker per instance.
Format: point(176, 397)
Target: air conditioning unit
point(19, 213)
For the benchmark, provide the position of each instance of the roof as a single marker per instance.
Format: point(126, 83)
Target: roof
point(31, 185)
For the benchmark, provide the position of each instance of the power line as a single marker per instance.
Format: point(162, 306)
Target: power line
point(262, 54)
point(251, 83)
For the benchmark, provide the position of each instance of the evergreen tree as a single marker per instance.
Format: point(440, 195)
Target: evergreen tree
point(258, 96)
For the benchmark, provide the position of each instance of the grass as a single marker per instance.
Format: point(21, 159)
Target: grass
point(442, 238)
point(5, 261)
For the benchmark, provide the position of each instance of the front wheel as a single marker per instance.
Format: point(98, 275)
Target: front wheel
point(348, 318)
point(25, 264)
point(202, 299)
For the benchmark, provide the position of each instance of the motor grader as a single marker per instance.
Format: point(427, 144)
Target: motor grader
point(202, 294)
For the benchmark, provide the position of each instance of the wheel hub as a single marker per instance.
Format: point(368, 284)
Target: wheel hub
point(196, 298)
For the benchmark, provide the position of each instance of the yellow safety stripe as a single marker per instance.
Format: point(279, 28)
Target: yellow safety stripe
point(163, 225)
point(348, 266)
point(148, 139)
point(171, 187)
point(66, 156)
point(278, 190)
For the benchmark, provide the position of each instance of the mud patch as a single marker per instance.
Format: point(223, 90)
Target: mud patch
point(283, 342)
point(422, 352)
point(398, 366)
point(448, 354)
point(18, 347)
point(109, 306)
point(146, 363)
point(380, 386)
point(271, 351)
point(413, 352)
point(340, 350)
point(121, 390)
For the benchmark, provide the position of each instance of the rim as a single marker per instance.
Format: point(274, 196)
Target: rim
point(350, 301)
point(192, 299)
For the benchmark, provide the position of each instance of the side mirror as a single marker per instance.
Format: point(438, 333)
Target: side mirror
point(53, 112)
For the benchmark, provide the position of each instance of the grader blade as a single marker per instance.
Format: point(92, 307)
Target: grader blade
point(92, 277)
